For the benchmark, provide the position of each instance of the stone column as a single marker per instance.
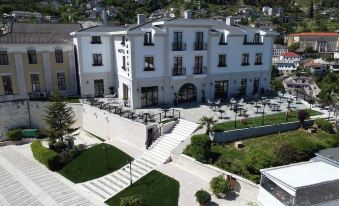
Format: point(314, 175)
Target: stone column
point(47, 71)
point(20, 75)
point(72, 74)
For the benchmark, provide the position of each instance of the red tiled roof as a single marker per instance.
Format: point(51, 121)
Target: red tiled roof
point(315, 34)
point(290, 54)
point(312, 64)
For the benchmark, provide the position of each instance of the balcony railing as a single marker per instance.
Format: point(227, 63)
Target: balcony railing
point(199, 70)
point(222, 43)
point(178, 71)
point(200, 46)
point(148, 44)
point(253, 42)
point(178, 46)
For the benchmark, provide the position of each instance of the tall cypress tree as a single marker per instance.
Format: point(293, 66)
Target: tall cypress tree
point(59, 117)
point(311, 14)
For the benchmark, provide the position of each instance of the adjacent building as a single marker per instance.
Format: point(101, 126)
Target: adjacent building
point(308, 183)
point(317, 66)
point(329, 156)
point(287, 62)
point(321, 42)
point(37, 59)
point(278, 50)
point(174, 60)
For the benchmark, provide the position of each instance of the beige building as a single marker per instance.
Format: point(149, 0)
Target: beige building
point(318, 41)
point(37, 59)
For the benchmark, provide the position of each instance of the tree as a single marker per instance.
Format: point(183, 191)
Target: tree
point(302, 116)
point(203, 197)
point(286, 154)
point(311, 12)
point(277, 85)
point(275, 72)
point(294, 46)
point(59, 117)
point(208, 122)
point(200, 147)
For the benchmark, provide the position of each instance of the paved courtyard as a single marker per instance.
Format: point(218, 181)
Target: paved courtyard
point(23, 181)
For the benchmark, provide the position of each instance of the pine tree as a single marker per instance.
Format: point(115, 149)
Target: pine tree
point(59, 117)
point(311, 14)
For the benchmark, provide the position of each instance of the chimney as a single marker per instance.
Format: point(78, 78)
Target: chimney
point(141, 19)
point(188, 14)
point(230, 21)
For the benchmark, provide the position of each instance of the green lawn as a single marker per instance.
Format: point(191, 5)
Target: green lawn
point(92, 163)
point(256, 121)
point(155, 188)
point(227, 157)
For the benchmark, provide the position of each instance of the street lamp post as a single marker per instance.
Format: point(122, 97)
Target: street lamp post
point(130, 171)
point(235, 116)
point(263, 113)
point(105, 148)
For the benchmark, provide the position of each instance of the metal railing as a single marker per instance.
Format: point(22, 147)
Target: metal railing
point(178, 46)
point(200, 70)
point(200, 46)
point(178, 71)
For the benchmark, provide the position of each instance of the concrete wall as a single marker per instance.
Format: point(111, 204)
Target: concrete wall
point(110, 126)
point(29, 114)
point(239, 134)
point(244, 186)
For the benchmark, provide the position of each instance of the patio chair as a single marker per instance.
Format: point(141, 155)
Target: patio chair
point(210, 103)
point(217, 103)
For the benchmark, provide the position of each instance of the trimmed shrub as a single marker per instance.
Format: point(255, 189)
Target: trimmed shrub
point(41, 134)
point(14, 135)
point(133, 200)
point(202, 196)
point(219, 185)
point(200, 147)
point(46, 156)
point(325, 125)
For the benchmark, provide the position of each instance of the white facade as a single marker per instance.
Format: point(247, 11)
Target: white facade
point(199, 71)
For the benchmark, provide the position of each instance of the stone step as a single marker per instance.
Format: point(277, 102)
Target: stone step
point(101, 189)
point(94, 191)
point(159, 153)
point(122, 181)
point(165, 145)
point(148, 161)
point(161, 149)
point(108, 185)
point(126, 175)
point(153, 158)
point(114, 182)
point(184, 127)
point(142, 168)
point(171, 139)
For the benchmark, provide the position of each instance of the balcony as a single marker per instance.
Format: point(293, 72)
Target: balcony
point(253, 42)
point(178, 46)
point(148, 44)
point(221, 43)
point(178, 71)
point(198, 46)
point(97, 64)
point(199, 70)
point(258, 63)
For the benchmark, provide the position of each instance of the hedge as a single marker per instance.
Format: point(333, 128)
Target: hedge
point(325, 125)
point(14, 134)
point(46, 156)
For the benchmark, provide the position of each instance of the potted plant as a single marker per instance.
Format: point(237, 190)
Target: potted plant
point(220, 186)
point(203, 197)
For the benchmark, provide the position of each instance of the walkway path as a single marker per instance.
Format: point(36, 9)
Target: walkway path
point(24, 181)
point(107, 186)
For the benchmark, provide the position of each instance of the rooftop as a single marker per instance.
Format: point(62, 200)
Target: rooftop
point(316, 34)
point(331, 154)
point(21, 33)
point(303, 174)
point(290, 54)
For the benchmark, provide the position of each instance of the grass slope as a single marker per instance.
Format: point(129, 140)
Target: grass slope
point(155, 188)
point(91, 163)
point(256, 121)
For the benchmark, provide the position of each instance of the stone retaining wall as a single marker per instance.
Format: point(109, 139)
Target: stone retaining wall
point(239, 134)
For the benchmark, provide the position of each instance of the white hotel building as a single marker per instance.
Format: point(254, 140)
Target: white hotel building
point(174, 60)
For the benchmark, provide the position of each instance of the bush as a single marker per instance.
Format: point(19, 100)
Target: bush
point(57, 146)
point(219, 185)
point(46, 156)
point(133, 200)
point(202, 196)
point(325, 125)
point(41, 134)
point(14, 134)
point(200, 147)
point(286, 154)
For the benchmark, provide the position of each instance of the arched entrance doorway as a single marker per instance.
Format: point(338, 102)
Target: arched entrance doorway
point(187, 93)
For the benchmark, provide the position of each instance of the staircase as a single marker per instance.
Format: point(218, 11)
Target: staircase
point(159, 153)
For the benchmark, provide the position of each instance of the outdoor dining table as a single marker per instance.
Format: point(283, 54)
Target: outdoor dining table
point(233, 103)
point(165, 111)
point(274, 105)
point(240, 110)
point(221, 112)
point(257, 106)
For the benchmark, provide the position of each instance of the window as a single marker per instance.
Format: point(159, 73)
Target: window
point(35, 82)
point(199, 41)
point(61, 81)
point(198, 69)
point(178, 70)
point(149, 64)
point(124, 63)
point(221, 89)
point(243, 86)
point(148, 39)
point(59, 56)
point(7, 83)
point(31, 57)
point(3, 58)
point(245, 58)
point(123, 40)
point(222, 60)
point(177, 43)
point(97, 60)
point(258, 58)
point(149, 96)
point(256, 38)
point(222, 39)
point(96, 40)
point(256, 85)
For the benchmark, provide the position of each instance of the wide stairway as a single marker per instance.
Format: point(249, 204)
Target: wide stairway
point(159, 153)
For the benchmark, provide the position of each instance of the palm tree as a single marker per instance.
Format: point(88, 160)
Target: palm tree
point(208, 122)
